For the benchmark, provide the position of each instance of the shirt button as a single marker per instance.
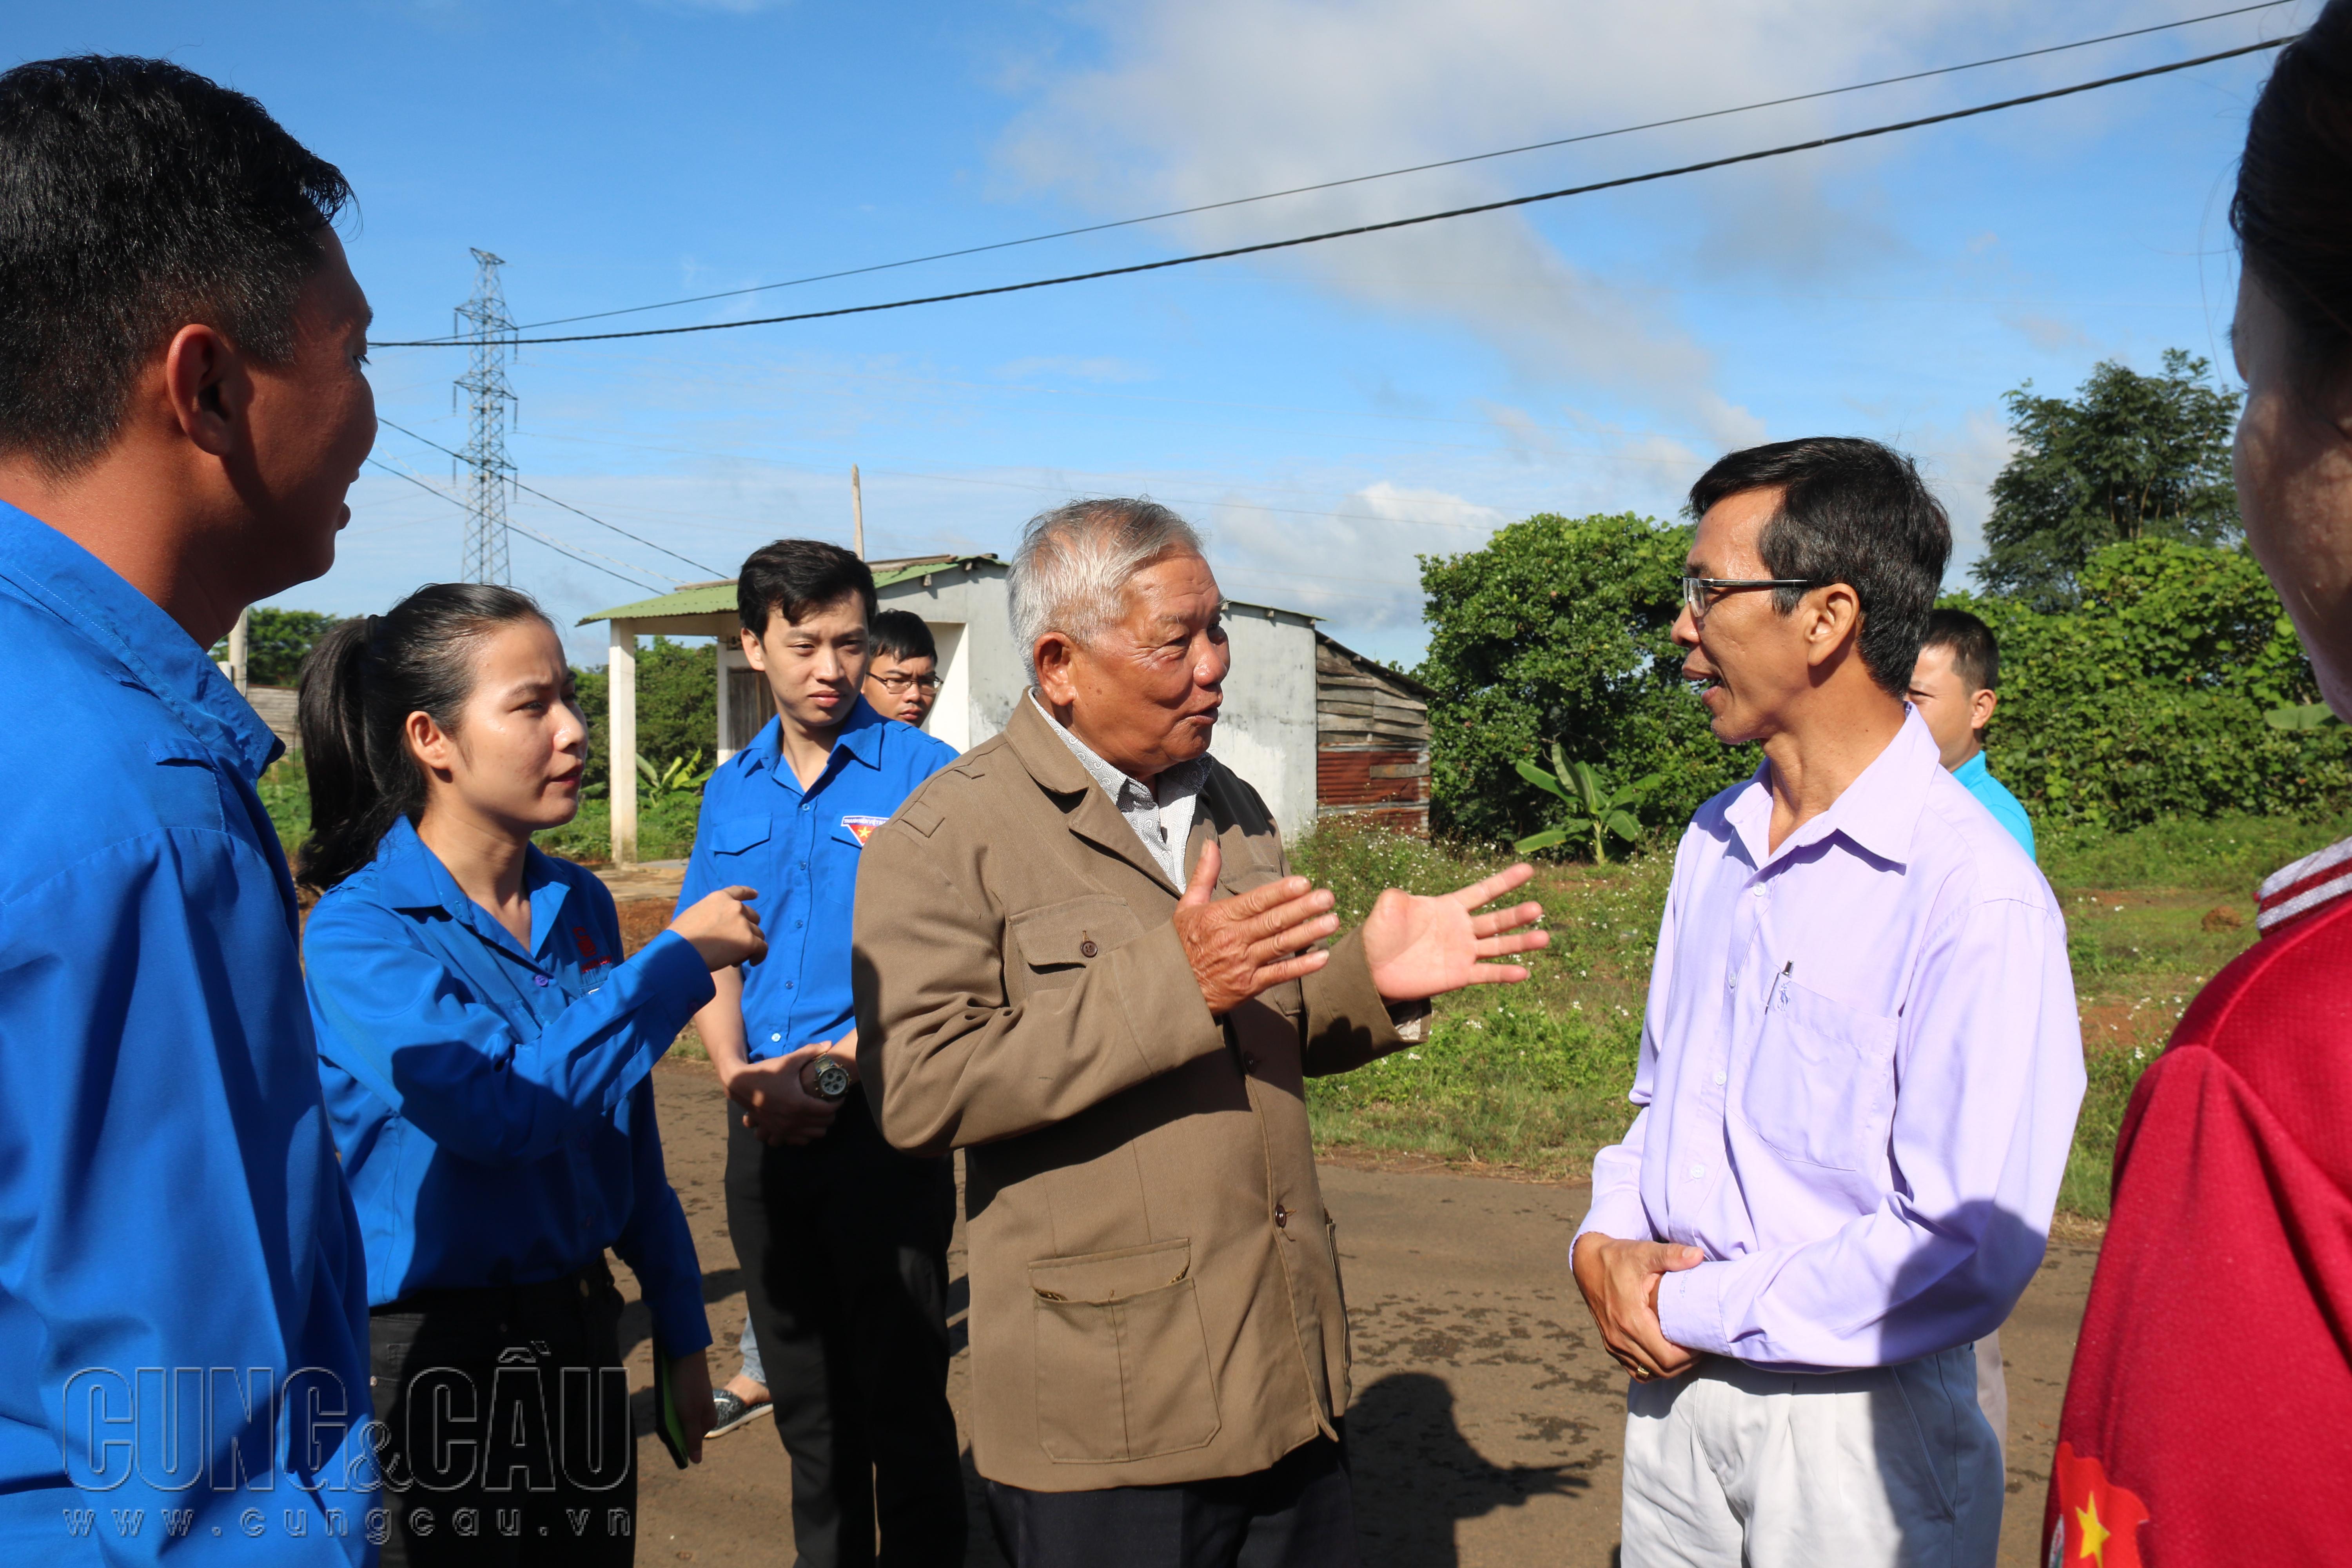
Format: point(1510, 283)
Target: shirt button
point(796, 925)
point(788, 985)
point(774, 1037)
point(1087, 949)
point(1249, 1062)
point(1721, 1078)
point(1757, 891)
point(1697, 1171)
point(539, 979)
point(1281, 1216)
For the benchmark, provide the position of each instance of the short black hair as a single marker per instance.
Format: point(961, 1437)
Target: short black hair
point(135, 198)
point(1976, 654)
point(1852, 511)
point(901, 634)
point(797, 575)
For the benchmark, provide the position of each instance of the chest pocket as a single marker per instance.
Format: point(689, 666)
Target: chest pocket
point(1821, 1086)
point(1066, 938)
point(737, 833)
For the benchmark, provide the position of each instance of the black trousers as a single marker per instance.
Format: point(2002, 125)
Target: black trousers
point(843, 1246)
point(503, 1431)
point(1298, 1514)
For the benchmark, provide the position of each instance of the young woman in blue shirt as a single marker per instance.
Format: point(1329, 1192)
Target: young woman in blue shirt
point(484, 1052)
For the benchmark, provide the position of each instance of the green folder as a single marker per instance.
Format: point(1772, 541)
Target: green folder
point(667, 1426)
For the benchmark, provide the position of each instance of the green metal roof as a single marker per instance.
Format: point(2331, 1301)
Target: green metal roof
point(717, 599)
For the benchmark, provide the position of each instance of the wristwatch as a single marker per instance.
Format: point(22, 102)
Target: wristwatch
point(827, 1076)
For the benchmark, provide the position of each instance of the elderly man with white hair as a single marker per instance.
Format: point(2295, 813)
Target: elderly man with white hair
point(1081, 958)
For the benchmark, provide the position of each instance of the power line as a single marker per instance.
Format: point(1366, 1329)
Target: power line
point(1618, 183)
point(1392, 173)
point(564, 504)
point(515, 527)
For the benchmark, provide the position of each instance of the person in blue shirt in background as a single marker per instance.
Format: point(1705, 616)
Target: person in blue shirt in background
point(484, 1051)
point(1954, 686)
point(843, 1239)
point(183, 407)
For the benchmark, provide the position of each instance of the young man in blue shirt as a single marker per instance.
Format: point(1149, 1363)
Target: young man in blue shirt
point(842, 1240)
point(183, 406)
point(1955, 688)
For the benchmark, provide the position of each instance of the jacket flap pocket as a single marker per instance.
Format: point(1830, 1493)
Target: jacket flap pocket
point(1104, 1277)
point(737, 833)
point(1074, 931)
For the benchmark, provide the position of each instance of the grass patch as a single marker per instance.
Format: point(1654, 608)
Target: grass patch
point(1536, 1076)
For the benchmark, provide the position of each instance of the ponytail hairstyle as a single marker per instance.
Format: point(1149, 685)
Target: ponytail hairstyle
point(359, 686)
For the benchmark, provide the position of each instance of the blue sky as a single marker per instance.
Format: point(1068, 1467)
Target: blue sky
point(1326, 414)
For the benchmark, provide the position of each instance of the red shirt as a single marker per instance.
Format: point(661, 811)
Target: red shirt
point(2208, 1419)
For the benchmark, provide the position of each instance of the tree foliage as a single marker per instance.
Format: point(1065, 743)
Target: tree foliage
point(677, 707)
point(1558, 629)
point(2129, 456)
point(2147, 699)
point(277, 642)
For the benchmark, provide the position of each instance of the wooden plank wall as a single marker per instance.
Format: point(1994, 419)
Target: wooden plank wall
point(1371, 761)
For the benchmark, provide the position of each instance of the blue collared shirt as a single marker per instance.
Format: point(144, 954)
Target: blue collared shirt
point(169, 1197)
point(800, 849)
point(491, 1102)
point(1977, 779)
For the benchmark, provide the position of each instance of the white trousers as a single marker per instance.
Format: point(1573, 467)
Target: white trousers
point(1733, 1467)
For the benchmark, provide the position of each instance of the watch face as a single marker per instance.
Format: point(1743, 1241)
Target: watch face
point(831, 1078)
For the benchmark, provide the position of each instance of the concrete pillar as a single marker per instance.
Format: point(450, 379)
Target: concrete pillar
point(621, 728)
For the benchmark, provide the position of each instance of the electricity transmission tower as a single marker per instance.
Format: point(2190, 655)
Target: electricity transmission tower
point(485, 324)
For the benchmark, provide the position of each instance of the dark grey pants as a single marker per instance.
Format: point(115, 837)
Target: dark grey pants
point(1298, 1514)
point(843, 1247)
point(505, 1426)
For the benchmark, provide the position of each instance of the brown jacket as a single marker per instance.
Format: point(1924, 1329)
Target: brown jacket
point(1155, 1286)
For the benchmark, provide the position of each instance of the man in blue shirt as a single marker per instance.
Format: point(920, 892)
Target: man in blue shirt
point(1954, 687)
point(183, 406)
point(843, 1239)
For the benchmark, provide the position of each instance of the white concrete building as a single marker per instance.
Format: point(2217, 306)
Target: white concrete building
point(1266, 732)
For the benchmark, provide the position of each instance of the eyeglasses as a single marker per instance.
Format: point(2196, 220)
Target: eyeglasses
point(895, 685)
point(1698, 593)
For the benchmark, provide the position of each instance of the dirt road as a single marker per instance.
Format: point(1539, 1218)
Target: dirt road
point(1486, 1420)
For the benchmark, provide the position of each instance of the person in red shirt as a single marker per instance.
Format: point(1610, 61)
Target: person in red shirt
point(2208, 1419)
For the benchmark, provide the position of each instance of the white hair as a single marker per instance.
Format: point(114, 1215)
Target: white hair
point(1075, 561)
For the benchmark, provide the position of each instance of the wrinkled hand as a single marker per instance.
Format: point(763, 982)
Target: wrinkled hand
point(690, 1385)
point(1251, 942)
point(724, 928)
point(1420, 947)
point(1620, 1281)
point(776, 1106)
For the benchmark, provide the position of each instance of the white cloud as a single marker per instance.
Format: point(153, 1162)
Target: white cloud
point(1200, 100)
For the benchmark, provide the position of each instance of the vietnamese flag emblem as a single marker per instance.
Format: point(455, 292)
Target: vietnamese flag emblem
point(2099, 1521)
point(862, 828)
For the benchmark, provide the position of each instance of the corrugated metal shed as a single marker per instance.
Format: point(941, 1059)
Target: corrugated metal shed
point(1371, 740)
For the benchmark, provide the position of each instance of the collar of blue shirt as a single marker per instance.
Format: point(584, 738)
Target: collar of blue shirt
point(412, 876)
point(87, 594)
point(1879, 810)
point(860, 739)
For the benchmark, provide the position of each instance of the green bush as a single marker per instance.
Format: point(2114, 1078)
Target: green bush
point(1558, 629)
point(2145, 701)
point(678, 709)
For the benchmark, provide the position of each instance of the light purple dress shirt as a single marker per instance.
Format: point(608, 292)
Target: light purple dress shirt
point(1860, 1068)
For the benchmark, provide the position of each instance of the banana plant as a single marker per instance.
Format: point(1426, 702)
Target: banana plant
point(2302, 716)
point(1592, 806)
point(683, 773)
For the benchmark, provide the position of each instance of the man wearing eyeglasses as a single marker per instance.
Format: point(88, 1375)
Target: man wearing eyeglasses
point(902, 677)
point(1859, 1070)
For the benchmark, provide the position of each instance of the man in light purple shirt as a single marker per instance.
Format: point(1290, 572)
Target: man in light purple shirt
point(1859, 1064)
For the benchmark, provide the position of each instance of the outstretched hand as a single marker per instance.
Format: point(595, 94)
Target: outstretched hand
point(1421, 947)
point(1254, 940)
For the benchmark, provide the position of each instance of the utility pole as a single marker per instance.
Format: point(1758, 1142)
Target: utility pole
point(485, 324)
point(857, 510)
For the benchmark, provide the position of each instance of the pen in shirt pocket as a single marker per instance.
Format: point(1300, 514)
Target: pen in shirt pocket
point(1780, 986)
